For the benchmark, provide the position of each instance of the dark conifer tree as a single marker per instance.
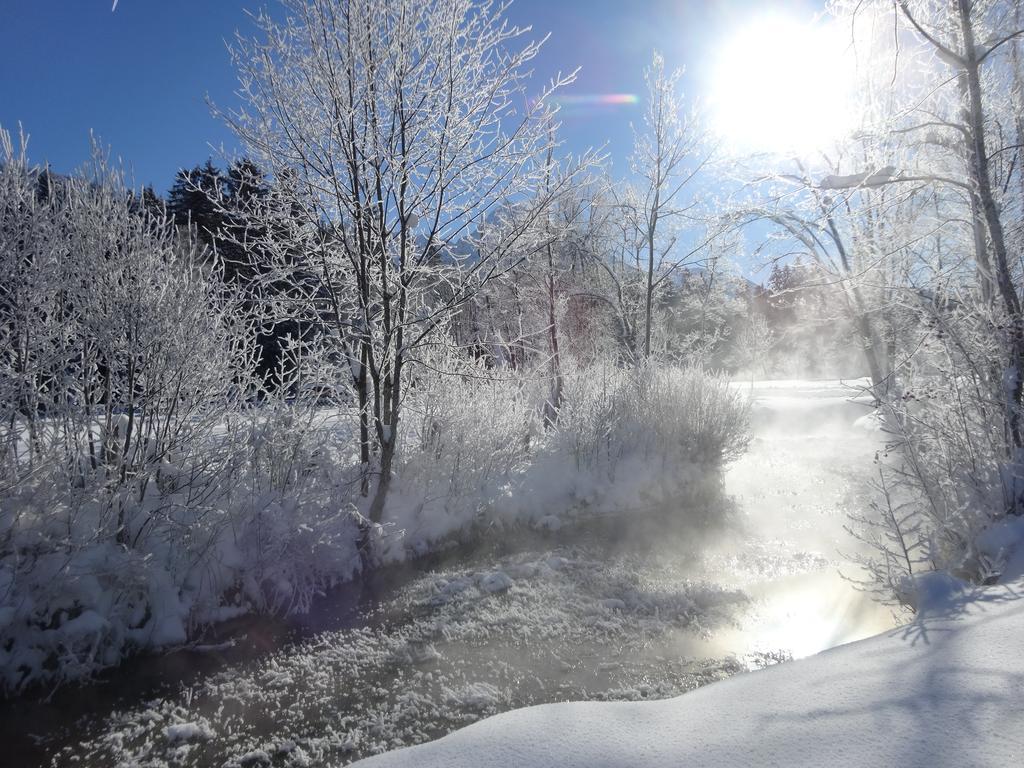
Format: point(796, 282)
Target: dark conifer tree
point(191, 200)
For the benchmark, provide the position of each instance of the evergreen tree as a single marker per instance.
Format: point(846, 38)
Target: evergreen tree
point(225, 209)
point(191, 200)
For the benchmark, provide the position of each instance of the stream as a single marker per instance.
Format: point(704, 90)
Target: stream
point(746, 574)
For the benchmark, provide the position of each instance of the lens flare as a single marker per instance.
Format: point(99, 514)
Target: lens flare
point(588, 104)
point(598, 99)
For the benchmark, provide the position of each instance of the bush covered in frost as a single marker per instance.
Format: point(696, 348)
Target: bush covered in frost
point(144, 490)
point(626, 440)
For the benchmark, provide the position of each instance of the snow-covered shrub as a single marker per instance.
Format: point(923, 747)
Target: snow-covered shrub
point(654, 439)
point(469, 434)
point(655, 413)
point(294, 517)
point(949, 474)
point(625, 440)
point(122, 350)
point(145, 487)
point(648, 439)
point(263, 523)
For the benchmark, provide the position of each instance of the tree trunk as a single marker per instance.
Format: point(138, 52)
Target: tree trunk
point(387, 434)
point(364, 422)
point(554, 403)
point(387, 458)
point(979, 171)
point(650, 290)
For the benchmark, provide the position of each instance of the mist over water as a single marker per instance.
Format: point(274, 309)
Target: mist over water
point(779, 536)
point(806, 470)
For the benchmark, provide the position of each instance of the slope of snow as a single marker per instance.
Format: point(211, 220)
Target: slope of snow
point(944, 690)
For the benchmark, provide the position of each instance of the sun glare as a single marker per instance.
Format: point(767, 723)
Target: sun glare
point(783, 86)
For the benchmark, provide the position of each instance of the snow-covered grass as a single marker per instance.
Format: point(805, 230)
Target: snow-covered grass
point(653, 606)
point(943, 690)
point(650, 607)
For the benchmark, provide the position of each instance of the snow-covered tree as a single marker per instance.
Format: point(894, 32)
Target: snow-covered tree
point(408, 147)
point(668, 153)
point(929, 192)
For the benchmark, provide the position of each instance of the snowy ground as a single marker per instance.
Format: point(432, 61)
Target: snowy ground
point(943, 690)
point(619, 612)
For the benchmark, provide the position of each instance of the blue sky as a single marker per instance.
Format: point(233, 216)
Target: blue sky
point(138, 76)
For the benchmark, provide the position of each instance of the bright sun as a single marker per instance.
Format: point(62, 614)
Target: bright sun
point(783, 86)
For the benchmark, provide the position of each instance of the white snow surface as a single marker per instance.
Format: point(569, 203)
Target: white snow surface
point(941, 691)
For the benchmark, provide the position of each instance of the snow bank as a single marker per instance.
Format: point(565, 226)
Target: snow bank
point(188, 732)
point(1002, 547)
point(258, 526)
point(944, 690)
